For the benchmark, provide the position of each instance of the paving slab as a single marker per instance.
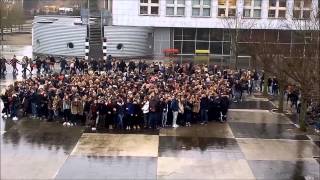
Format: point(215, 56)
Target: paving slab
point(263, 105)
point(199, 148)
point(302, 169)
point(99, 167)
point(288, 150)
point(266, 131)
point(184, 168)
point(135, 145)
point(213, 129)
point(258, 117)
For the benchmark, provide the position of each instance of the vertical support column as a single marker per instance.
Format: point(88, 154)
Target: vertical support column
point(87, 49)
point(104, 48)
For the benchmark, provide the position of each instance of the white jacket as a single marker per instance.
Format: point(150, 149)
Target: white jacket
point(145, 108)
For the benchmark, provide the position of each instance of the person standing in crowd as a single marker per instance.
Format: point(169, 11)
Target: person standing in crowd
point(75, 103)
point(38, 64)
point(14, 61)
point(66, 106)
point(3, 67)
point(46, 65)
point(52, 62)
point(34, 99)
point(73, 70)
point(110, 115)
point(181, 115)
point(195, 109)
point(6, 105)
point(102, 112)
point(24, 65)
point(275, 86)
point(153, 105)
point(14, 104)
point(145, 110)
point(175, 110)
point(136, 113)
point(224, 105)
point(31, 65)
point(204, 108)
point(237, 91)
point(262, 82)
point(120, 111)
point(164, 108)
point(154, 97)
point(63, 64)
point(188, 111)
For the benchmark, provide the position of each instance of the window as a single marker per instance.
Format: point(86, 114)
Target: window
point(201, 8)
point(216, 35)
point(149, 7)
point(302, 9)
point(189, 34)
point(119, 46)
point(227, 8)
point(277, 8)
point(177, 34)
point(252, 9)
point(70, 45)
point(202, 34)
point(170, 11)
point(216, 48)
point(175, 7)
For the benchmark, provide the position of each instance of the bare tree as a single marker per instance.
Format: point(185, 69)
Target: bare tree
point(234, 25)
point(270, 56)
point(304, 63)
point(300, 63)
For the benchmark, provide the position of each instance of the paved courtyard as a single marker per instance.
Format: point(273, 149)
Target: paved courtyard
point(254, 144)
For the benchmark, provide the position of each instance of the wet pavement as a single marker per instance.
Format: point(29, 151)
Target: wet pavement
point(106, 167)
point(32, 149)
point(8, 51)
point(255, 143)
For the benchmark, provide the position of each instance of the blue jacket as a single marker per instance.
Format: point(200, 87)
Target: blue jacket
point(204, 103)
point(174, 105)
point(130, 108)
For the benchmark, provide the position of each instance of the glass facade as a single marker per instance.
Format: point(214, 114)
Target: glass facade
point(188, 40)
point(219, 41)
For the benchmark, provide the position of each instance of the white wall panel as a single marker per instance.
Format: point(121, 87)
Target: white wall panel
point(52, 38)
point(135, 40)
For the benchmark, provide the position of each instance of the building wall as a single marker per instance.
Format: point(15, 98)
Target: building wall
point(136, 41)
point(126, 13)
point(53, 38)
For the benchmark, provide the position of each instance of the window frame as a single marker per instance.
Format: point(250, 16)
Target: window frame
point(149, 6)
point(277, 8)
point(302, 9)
point(201, 7)
point(175, 7)
point(226, 8)
point(251, 9)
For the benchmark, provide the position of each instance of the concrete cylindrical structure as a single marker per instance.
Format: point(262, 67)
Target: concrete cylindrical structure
point(126, 41)
point(59, 36)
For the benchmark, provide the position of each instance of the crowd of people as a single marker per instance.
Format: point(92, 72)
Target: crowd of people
point(118, 95)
